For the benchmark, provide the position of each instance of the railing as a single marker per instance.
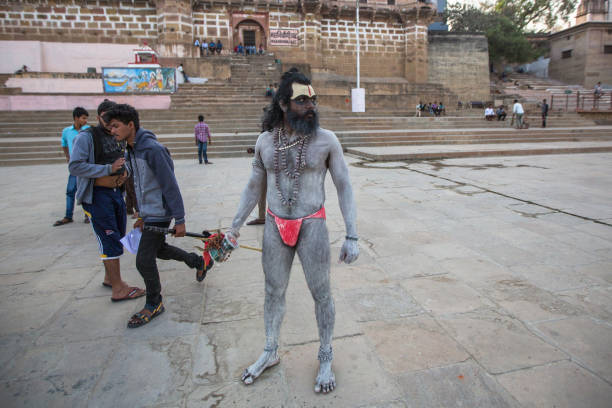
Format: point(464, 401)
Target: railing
point(581, 102)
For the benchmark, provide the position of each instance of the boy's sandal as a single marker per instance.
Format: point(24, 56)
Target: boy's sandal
point(62, 222)
point(143, 317)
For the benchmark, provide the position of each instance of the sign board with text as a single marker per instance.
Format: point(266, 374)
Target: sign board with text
point(284, 37)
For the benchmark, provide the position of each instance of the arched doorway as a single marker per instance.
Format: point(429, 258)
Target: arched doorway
point(250, 32)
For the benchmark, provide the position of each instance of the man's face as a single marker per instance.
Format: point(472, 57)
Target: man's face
point(302, 113)
point(80, 121)
point(120, 130)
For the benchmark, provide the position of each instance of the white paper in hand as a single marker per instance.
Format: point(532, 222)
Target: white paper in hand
point(131, 240)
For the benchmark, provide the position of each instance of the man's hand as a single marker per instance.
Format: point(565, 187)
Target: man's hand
point(139, 224)
point(122, 178)
point(179, 230)
point(349, 252)
point(117, 164)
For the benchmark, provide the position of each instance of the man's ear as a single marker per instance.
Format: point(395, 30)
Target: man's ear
point(283, 106)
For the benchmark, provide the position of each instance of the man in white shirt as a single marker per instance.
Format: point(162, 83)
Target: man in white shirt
point(518, 111)
point(489, 113)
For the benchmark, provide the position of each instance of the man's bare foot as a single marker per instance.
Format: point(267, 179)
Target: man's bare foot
point(266, 360)
point(120, 291)
point(326, 381)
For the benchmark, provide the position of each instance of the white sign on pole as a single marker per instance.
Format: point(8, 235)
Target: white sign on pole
point(358, 99)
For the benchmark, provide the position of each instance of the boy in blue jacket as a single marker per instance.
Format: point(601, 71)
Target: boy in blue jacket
point(159, 201)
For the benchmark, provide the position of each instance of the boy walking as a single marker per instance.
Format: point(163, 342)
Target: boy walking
point(159, 201)
point(202, 136)
point(79, 118)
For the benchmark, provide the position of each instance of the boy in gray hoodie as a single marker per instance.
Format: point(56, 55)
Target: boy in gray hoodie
point(159, 201)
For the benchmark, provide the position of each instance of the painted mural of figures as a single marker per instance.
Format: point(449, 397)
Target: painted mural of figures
point(160, 79)
point(292, 156)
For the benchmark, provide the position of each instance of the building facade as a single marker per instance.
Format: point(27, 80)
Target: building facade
point(582, 54)
point(319, 33)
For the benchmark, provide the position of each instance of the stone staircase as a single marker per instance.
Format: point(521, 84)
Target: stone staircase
point(233, 111)
point(33, 137)
point(569, 98)
point(250, 75)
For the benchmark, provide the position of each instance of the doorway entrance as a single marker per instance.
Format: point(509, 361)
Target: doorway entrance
point(249, 37)
point(250, 33)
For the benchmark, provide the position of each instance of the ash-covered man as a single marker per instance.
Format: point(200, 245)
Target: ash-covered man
point(159, 201)
point(293, 156)
point(98, 164)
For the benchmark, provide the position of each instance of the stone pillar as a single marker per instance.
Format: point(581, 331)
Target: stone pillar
point(175, 28)
point(312, 39)
point(415, 67)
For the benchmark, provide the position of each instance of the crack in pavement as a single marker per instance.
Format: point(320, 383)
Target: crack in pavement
point(552, 209)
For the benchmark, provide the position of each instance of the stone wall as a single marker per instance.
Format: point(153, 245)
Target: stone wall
point(460, 62)
point(587, 63)
point(96, 21)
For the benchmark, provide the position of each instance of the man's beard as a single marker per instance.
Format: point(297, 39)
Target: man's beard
point(303, 125)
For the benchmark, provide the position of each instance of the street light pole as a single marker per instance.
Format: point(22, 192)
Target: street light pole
point(358, 93)
point(357, 8)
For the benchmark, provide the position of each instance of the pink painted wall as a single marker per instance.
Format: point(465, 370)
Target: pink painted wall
point(56, 85)
point(68, 102)
point(42, 56)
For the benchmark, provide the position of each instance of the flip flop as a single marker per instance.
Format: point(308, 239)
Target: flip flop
point(107, 285)
point(134, 293)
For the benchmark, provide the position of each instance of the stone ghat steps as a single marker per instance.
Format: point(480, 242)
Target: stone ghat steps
point(36, 152)
point(250, 124)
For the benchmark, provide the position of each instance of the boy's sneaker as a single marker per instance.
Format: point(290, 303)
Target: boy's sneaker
point(202, 270)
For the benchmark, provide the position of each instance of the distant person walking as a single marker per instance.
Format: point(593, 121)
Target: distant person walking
point(544, 112)
point(79, 118)
point(181, 71)
point(202, 138)
point(518, 112)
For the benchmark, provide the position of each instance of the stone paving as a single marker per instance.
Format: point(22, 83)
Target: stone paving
point(482, 282)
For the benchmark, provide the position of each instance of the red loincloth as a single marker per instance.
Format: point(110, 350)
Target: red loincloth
point(290, 229)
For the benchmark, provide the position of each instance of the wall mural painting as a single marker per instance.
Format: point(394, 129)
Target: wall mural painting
point(139, 80)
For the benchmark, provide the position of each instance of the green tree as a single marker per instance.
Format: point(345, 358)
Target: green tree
point(525, 13)
point(507, 41)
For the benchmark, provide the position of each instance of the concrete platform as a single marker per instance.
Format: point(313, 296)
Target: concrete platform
point(482, 282)
point(445, 151)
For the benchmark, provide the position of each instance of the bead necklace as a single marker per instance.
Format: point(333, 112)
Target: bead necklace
point(280, 162)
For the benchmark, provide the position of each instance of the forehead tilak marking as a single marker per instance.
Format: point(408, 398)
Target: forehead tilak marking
point(301, 89)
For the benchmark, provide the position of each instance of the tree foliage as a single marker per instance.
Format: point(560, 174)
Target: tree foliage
point(507, 41)
point(525, 13)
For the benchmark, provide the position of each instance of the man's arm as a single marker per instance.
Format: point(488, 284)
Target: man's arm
point(66, 153)
point(340, 176)
point(65, 145)
point(252, 192)
point(161, 164)
point(79, 165)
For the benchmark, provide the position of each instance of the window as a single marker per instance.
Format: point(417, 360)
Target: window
point(390, 2)
point(607, 49)
point(363, 1)
point(566, 54)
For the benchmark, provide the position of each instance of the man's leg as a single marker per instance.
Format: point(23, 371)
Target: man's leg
point(146, 263)
point(200, 152)
point(313, 250)
point(204, 148)
point(70, 192)
point(276, 260)
point(108, 219)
